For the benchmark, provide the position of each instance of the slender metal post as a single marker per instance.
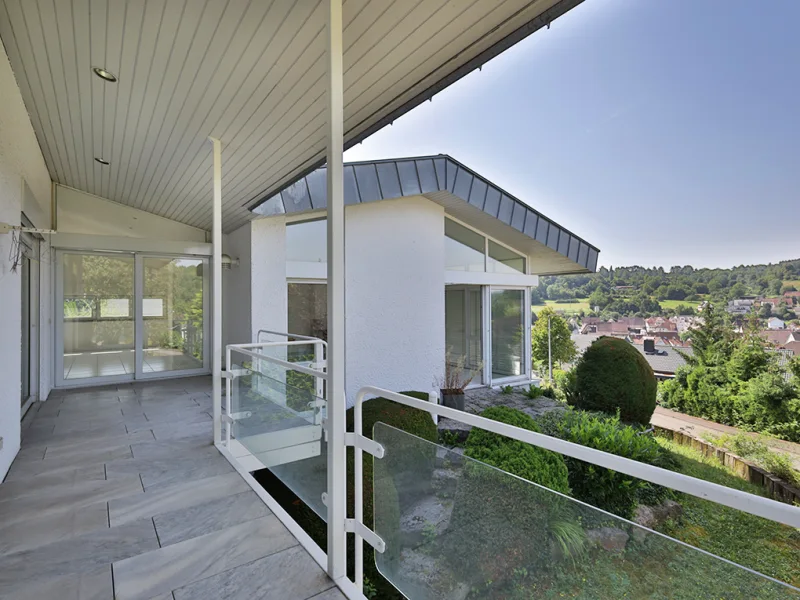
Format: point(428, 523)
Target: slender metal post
point(337, 476)
point(216, 336)
point(549, 351)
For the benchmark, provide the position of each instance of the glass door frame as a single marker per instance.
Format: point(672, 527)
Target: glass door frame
point(139, 285)
point(138, 335)
point(30, 351)
point(526, 327)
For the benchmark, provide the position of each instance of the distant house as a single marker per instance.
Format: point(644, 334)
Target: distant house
point(791, 295)
point(776, 323)
point(793, 347)
point(780, 337)
point(775, 302)
point(740, 306)
point(685, 322)
point(665, 361)
point(660, 324)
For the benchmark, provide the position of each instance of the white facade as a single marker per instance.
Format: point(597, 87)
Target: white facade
point(776, 323)
point(395, 289)
point(24, 188)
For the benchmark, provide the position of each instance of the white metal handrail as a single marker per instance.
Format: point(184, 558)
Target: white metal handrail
point(749, 503)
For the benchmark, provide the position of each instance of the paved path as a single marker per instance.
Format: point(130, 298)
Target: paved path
point(675, 421)
point(118, 493)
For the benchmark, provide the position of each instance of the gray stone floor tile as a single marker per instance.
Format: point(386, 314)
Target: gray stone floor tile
point(163, 570)
point(333, 593)
point(83, 554)
point(172, 448)
point(67, 497)
point(177, 432)
point(180, 525)
point(75, 586)
point(153, 466)
point(42, 467)
point(76, 447)
point(183, 471)
point(178, 421)
point(46, 528)
point(288, 575)
point(175, 497)
point(42, 440)
point(31, 486)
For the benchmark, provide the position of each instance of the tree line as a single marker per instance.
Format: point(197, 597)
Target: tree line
point(639, 290)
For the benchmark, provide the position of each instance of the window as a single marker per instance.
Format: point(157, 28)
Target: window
point(308, 309)
point(115, 308)
point(503, 260)
point(307, 241)
point(464, 249)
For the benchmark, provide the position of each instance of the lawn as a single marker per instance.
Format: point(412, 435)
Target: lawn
point(565, 307)
point(753, 542)
point(675, 303)
point(794, 282)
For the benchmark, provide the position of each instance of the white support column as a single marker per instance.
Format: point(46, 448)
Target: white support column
point(337, 476)
point(216, 269)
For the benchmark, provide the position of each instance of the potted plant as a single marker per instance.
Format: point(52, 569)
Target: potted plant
point(455, 381)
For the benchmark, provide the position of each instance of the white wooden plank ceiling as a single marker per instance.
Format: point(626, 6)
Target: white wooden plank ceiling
point(249, 72)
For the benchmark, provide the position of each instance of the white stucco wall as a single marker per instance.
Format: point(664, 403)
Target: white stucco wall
point(268, 275)
point(20, 160)
point(395, 295)
point(79, 212)
point(236, 283)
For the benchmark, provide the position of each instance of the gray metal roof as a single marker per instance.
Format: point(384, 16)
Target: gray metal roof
point(429, 175)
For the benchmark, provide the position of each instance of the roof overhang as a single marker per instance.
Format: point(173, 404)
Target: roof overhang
point(463, 194)
point(249, 73)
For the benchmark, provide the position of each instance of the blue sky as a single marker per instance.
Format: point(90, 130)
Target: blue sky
point(666, 132)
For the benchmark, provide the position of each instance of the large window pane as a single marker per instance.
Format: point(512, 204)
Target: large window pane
point(172, 310)
point(508, 324)
point(463, 248)
point(463, 339)
point(307, 241)
point(503, 260)
point(308, 309)
point(98, 318)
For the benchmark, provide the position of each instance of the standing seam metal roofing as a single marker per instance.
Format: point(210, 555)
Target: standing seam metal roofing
point(393, 178)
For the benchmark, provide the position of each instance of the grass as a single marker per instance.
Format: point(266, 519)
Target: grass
point(753, 542)
point(565, 307)
point(675, 303)
point(794, 282)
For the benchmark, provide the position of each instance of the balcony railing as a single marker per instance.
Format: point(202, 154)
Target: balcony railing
point(445, 524)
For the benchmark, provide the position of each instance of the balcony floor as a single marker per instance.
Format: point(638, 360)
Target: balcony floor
point(118, 492)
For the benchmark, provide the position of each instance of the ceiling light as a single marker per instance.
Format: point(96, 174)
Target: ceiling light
point(102, 161)
point(103, 74)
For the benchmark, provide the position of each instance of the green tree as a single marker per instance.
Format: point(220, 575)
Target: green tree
point(563, 347)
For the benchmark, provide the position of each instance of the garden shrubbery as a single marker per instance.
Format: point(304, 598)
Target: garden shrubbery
point(613, 376)
point(736, 381)
point(612, 491)
point(497, 516)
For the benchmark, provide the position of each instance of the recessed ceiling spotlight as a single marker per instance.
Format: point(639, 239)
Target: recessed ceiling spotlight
point(103, 74)
point(102, 161)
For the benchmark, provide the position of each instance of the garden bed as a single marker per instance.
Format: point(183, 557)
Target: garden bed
point(774, 486)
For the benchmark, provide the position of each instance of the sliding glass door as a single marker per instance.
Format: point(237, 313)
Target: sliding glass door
point(129, 316)
point(98, 320)
point(463, 329)
point(508, 333)
point(173, 314)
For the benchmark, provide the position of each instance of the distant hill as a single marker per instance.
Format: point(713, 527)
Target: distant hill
point(630, 290)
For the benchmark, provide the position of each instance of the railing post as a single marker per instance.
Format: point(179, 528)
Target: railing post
point(337, 558)
point(216, 337)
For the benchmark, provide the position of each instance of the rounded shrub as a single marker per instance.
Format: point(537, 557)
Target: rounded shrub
point(613, 376)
